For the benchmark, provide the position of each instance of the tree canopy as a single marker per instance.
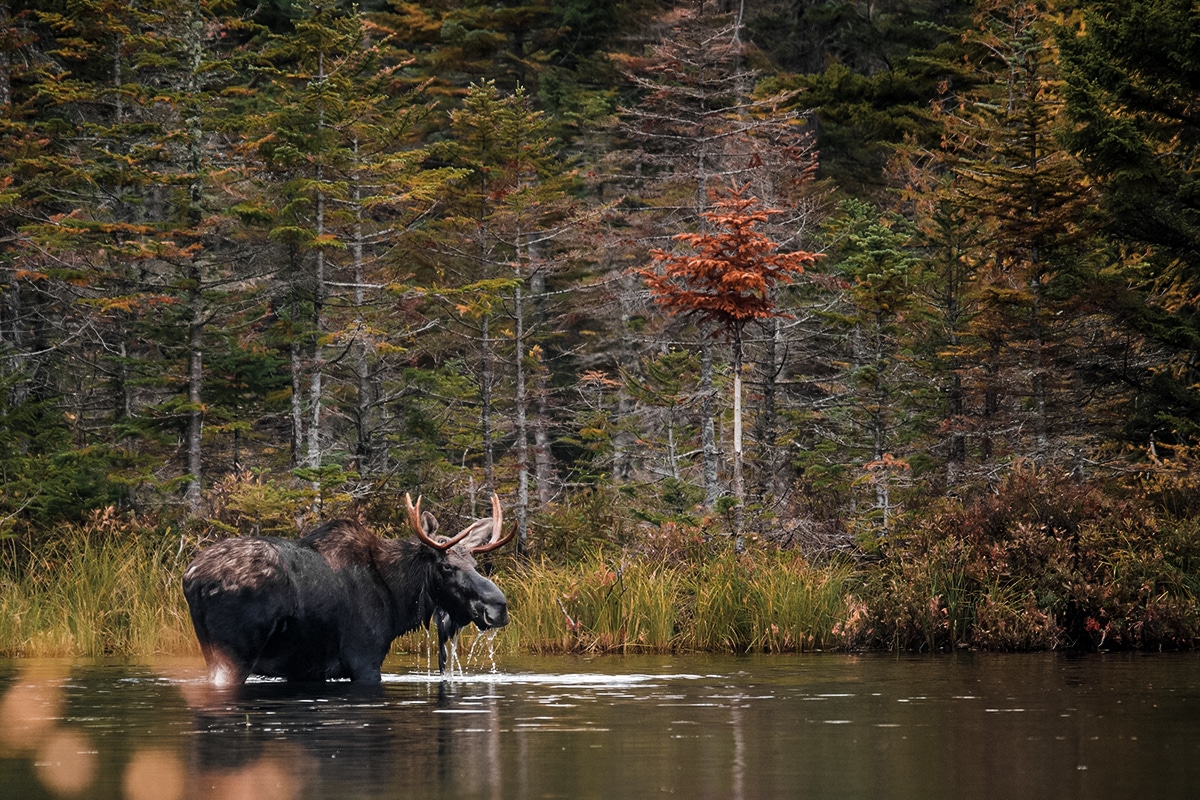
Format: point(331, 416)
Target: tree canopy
point(286, 259)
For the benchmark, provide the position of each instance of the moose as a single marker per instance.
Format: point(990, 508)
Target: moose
point(329, 604)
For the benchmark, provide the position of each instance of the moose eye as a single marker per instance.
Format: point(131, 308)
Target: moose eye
point(446, 567)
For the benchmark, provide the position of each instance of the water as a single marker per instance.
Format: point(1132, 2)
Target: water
point(820, 726)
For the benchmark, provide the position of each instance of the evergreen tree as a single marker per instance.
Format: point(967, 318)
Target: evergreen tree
point(126, 170)
point(1015, 299)
point(513, 209)
point(880, 316)
point(1132, 76)
point(727, 282)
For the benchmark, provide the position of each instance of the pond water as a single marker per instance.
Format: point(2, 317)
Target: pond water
point(812, 726)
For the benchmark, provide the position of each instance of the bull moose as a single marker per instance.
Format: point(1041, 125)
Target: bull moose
point(329, 604)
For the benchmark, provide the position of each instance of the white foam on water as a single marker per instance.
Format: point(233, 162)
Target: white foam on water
point(586, 679)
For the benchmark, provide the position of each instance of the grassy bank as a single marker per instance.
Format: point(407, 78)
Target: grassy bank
point(95, 594)
point(109, 587)
point(1034, 565)
point(766, 602)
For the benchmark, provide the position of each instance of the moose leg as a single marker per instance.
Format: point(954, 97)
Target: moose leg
point(365, 673)
point(447, 640)
point(224, 669)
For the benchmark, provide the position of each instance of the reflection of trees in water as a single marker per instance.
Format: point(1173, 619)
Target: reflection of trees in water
point(262, 741)
point(274, 740)
point(31, 726)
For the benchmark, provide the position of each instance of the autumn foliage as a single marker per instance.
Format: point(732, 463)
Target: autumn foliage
point(729, 276)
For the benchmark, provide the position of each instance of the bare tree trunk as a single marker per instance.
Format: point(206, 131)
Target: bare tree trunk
point(739, 482)
point(708, 431)
point(297, 404)
point(521, 417)
point(195, 407)
point(543, 459)
point(765, 422)
point(485, 407)
point(364, 450)
point(315, 377)
point(626, 360)
point(195, 438)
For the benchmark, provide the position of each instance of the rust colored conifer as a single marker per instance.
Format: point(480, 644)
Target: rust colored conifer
point(725, 279)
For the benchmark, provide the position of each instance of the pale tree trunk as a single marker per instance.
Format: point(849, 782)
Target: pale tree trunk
point(315, 377)
point(365, 401)
point(765, 433)
point(316, 365)
point(297, 403)
point(485, 407)
point(708, 430)
point(487, 434)
point(195, 435)
point(543, 458)
point(627, 361)
point(883, 500)
point(521, 418)
point(739, 482)
point(195, 430)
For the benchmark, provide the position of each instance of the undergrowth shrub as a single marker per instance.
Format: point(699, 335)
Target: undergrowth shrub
point(1043, 562)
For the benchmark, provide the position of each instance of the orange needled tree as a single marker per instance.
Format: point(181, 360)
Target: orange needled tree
point(726, 282)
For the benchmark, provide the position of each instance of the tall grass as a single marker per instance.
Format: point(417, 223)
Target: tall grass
point(97, 592)
point(599, 604)
point(767, 602)
point(1039, 563)
point(772, 602)
point(112, 588)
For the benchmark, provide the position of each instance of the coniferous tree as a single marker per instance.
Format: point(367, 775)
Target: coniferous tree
point(127, 171)
point(1016, 295)
point(698, 121)
point(1132, 77)
point(514, 211)
point(343, 179)
point(880, 316)
point(727, 282)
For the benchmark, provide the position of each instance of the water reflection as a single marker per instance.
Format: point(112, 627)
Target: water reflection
point(64, 759)
point(834, 726)
point(271, 740)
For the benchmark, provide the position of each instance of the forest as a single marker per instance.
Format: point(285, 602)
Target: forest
point(804, 323)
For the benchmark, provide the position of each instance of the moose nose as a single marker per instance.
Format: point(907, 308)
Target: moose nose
point(496, 616)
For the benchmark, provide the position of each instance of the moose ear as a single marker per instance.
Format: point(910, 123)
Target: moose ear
point(483, 534)
point(476, 534)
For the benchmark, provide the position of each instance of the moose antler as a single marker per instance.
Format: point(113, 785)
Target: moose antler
point(414, 519)
point(497, 519)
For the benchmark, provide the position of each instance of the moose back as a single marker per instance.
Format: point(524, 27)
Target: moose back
point(329, 605)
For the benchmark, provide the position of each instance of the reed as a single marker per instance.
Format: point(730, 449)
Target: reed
point(598, 605)
point(766, 602)
point(93, 595)
point(105, 590)
point(769, 602)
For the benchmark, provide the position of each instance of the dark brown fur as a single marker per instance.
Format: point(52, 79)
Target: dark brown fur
point(344, 544)
point(236, 564)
